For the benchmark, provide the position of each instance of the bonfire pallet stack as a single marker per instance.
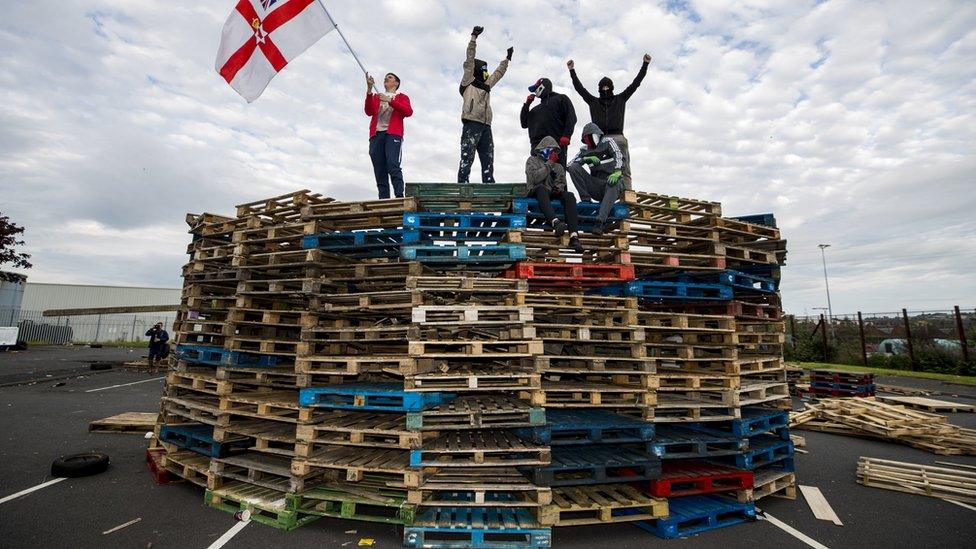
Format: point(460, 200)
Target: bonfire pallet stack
point(443, 362)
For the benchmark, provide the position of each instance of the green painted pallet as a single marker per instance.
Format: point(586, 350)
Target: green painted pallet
point(371, 504)
point(466, 196)
point(268, 507)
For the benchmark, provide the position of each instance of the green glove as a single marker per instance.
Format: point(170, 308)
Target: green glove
point(592, 160)
point(614, 177)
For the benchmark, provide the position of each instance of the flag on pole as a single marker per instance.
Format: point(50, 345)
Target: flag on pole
point(261, 36)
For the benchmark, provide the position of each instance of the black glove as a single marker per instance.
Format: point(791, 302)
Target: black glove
point(477, 30)
point(510, 51)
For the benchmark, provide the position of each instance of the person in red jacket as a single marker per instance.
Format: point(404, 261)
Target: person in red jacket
point(386, 133)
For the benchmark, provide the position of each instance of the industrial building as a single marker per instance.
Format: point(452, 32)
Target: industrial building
point(38, 297)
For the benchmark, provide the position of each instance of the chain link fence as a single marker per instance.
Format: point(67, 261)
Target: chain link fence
point(109, 328)
point(941, 341)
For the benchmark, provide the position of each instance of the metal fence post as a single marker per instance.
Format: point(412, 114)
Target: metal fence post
point(962, 335)
point(908, 338)
point(864, 348)
point(98, 328)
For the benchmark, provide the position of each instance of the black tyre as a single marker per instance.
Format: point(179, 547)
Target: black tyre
point(80, 465)
point(21, 345)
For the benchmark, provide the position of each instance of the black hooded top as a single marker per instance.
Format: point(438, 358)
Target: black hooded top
point(554, 116)
point(607, 111)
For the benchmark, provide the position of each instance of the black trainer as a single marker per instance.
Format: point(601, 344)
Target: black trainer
point(597, 229)
point(559, 227)
point(574, 243)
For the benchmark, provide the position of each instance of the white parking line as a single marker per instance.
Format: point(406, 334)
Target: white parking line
point(29, 490)
point(228, 535)
point(124, 384)
point(791, 531)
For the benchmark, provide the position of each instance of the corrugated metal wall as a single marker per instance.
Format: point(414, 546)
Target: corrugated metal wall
point(11, 294)
point(117, 327)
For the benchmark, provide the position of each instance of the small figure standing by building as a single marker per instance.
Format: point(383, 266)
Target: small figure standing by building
point(602, 183)
point(546, 180)
point(475, 92)
point(386, 133)
point(157, 343)
point(553, 117)
point(608, 110)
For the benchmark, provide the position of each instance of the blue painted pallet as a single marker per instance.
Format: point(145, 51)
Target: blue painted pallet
point(216, 356)
point(491, 254)
point(754, 421)
point(738, 280)
point(677, 442)
point(595, 464)
point(476, 527)
point(481, 527)
point(565, 426)
point(199, 439)
point(363, 244)
point(201, 354)
point(382, 397)
point(587, 212)
point(665, 290)
point(763, 450)
point(462, 227)
point(768, 219)
point(697, 514)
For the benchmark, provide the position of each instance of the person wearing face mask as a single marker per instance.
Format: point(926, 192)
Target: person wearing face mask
point(546, 180)
point(554, 116)
point(475, 91)
point(387, 111)
point(607, 164)
point(607, 111)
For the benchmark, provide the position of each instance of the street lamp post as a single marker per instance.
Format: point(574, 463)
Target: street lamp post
point(823, 256)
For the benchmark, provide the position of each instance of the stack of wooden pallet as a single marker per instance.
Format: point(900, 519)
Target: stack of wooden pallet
point(442, 361)
point(866, 417)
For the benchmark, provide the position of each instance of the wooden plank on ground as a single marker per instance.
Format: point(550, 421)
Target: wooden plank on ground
point(136, 423)
point(818, 504)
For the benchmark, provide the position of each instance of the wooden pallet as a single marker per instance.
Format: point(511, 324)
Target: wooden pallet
point(270, 437)
point(280, 406)
point(582, 365)
point(363, 429)
point(189, 466)
point(481, 448)
point(264, 505)
point(466, 315)
point(269, 471)
point(929, 404)
point(477, 412)
point(574, 506)
point(469, 380)
point(481, 486)
point(366, 501)
point(126, 423)
point(771, 482)
point(480, 349)
point(192, 408)
point(354, 462)
point(950, 483)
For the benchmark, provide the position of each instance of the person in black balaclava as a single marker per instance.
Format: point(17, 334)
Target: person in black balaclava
point(475, 92)
point(553, 117)
point(607, 110)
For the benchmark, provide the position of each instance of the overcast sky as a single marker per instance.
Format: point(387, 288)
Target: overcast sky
point(852, 121)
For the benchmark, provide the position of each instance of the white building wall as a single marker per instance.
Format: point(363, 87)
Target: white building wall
point(104, 328)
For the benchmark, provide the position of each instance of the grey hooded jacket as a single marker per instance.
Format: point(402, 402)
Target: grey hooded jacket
point(540, 173)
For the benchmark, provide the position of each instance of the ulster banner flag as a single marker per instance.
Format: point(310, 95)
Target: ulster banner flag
point(261, 36)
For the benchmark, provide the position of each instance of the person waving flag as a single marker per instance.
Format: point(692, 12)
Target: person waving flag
point(262, 36)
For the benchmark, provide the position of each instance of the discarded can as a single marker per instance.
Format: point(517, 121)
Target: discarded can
point(243, 516)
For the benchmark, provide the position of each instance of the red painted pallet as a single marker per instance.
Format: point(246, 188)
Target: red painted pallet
point(687, 478)
point(154, 459)
point(570, 274)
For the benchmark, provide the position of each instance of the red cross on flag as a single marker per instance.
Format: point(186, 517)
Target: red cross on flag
point(261, 36)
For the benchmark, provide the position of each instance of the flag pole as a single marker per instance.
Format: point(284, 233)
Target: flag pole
point(352, 51)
